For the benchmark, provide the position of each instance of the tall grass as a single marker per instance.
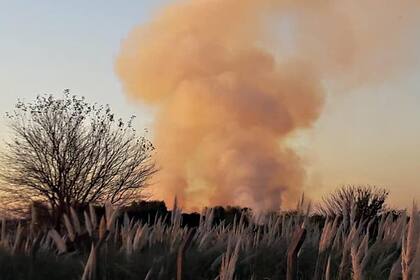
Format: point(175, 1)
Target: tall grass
point(116, 247)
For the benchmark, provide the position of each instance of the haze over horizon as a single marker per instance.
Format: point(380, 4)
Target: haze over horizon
point(368, 136)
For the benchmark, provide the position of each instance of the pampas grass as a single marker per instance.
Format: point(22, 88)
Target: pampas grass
point(410, 246)
point(249, 248)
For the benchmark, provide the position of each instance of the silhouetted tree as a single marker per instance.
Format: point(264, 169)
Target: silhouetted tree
point(146, 210)
point(68, 152)
point(366, 202)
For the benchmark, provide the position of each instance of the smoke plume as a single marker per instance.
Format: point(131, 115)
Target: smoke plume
point(232, 79)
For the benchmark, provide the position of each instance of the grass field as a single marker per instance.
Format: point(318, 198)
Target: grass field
point(117, 247)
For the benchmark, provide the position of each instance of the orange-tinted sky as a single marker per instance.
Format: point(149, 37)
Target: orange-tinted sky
point(365, 135)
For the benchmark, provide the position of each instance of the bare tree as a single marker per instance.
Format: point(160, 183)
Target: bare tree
point(68, 152)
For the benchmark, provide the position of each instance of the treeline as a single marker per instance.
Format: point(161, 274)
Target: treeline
point(142, 211)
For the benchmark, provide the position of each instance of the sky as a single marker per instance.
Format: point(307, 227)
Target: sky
point(48, 46)
point(366, 136)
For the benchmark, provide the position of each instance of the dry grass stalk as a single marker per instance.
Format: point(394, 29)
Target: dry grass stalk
point(59, 242)
point(229, 259)
point(69, 227)
point(328, 269)
point(358, 253)
point(18, 239)
point(88, 224)
point(89, 272)
point(3, 236)
point(410, 244)
point(102, 228)
point(75, 221)
point(93, 217)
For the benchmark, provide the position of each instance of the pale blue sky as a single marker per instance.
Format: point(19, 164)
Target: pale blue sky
point(47, 46)
point(370, 136)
